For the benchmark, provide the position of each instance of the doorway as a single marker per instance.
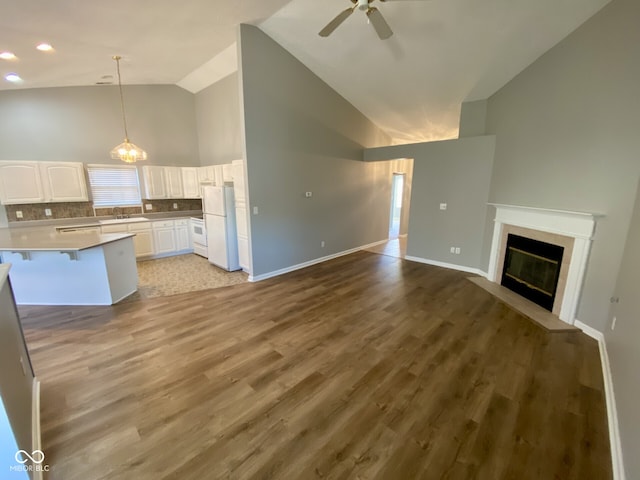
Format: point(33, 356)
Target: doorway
point(397, 197)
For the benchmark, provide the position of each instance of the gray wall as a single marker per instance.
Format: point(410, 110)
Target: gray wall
point(455, 172)
point(623, 346)
point(568, 138)
point(83, 124)
point(302, 136)
point(218, 119)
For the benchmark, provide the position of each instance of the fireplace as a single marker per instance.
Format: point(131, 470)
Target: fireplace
point(569, 232)
point(532, 269)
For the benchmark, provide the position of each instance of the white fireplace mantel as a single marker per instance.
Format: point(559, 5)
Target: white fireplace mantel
point(578, 225)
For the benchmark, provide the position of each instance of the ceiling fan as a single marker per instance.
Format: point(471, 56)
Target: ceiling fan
point(373, 14)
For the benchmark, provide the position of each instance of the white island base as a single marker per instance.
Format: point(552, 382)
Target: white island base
point(100, 275)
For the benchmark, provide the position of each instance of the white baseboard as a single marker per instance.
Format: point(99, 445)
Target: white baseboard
point(293, 268)
point(36, 439)
point(612, 411)
point(451, 266)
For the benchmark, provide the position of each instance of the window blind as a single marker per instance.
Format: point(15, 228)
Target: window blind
point(114, 185)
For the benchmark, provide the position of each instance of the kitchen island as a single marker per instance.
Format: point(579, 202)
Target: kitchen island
point(50, 268)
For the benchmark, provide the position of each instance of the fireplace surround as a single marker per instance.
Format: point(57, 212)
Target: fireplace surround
point(572, 231)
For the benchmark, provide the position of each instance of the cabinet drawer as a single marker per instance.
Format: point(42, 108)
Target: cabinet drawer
point(182, 223)
point(122, 228)
point(139, 226)
point(163, 224)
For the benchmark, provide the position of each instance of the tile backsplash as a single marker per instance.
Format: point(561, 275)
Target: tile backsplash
point(37, 211)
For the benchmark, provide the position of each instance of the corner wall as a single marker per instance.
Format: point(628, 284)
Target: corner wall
point(301, 136)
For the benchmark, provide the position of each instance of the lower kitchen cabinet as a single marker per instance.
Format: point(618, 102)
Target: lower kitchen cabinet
point(183, 240)
point(164, 237)
point(143, 241)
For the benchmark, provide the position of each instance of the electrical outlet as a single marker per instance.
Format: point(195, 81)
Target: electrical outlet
point(457, 250)
point(47, 212)
point(19, 214)
point(613, 323)
point(453, 249)
point(148, 206)
point(175, 206)
point(443, 206)
point(322, 244)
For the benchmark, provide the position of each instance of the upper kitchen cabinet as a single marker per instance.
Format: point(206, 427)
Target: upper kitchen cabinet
point(39, 182)
point(173, 177)
point(207, 175)
point(153, 181)
point(64, 181)
point(170, 182)
point(190, 182)
point(227, 172)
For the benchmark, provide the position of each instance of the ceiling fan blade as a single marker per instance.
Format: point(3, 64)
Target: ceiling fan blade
point(379, 23)
point(336, 22)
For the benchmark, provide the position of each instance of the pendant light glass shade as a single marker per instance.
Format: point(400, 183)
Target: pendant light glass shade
point(127, 152)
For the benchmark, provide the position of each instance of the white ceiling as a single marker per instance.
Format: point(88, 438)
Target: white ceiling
point(443, 52)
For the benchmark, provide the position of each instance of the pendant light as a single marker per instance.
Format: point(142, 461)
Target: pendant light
point(127, 152)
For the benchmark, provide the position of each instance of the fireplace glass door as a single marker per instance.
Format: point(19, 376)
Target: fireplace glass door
point(532, 269)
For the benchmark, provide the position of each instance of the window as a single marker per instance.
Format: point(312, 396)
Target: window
point(114, 185)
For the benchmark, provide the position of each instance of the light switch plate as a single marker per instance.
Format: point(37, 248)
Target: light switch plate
point(308, 194)
point(175, 206)
point(47, 212)
point(148, 206)
point(255, 210)
point(19, 214)
point(443, 206)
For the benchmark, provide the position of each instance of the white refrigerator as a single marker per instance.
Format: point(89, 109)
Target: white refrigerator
point(220, 223)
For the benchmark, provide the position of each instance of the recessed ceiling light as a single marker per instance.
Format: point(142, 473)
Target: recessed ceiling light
point(7, 55)
point(44, 47)
point(12, 77)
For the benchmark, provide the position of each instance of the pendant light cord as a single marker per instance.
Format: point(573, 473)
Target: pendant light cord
point(124, 118)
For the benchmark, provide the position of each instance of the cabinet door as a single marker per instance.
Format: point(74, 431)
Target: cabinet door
point(219, 175)
point(227, 172)
point(243, 253)
point(239, 188)
point(206, 174)
point(20, 182)
point(190, 184)
point(143, 243)
point(173, 177)
point(182, 239)
point(64, 181)
point(154, 182)
point(164, 240)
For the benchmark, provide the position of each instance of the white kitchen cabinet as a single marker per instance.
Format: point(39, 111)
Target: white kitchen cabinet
point(143, 241)
point(39, 182)
point(207, 174)
point(164, 237)
point(190, 182)
point(242, 217)
point(63, 181)
point(153, 180)
point(173, 177)
point(219, 175)
point(20, 182)
point(227, 172)
point(183, 240)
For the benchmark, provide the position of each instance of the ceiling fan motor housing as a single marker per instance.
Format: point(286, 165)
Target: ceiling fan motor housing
point(363, 4)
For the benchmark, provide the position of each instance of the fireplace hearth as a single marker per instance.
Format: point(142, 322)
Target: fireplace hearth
point(532, 269)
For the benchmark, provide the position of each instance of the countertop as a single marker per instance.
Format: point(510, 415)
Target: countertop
point(47, 240)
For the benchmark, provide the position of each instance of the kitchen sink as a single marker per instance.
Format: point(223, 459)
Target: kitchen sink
point(123, 220)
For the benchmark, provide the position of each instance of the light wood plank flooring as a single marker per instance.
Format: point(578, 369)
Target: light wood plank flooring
point(364, 367)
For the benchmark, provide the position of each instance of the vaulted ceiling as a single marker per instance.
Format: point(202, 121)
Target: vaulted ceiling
point(443, 52)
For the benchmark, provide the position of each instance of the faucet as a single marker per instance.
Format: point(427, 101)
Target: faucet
point(117, 212)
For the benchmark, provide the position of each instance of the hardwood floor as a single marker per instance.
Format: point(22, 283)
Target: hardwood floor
point(367, 366)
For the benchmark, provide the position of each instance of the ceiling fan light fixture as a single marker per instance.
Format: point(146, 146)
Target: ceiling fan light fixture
point(363, 4)
point(127, 151)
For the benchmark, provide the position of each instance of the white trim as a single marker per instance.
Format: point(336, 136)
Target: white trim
point(282, 271)
point(36, 439)
point(451, 266)
point(612, 411)
point(577, 225)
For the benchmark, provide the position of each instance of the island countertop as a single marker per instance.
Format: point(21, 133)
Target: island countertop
point(43, 240)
